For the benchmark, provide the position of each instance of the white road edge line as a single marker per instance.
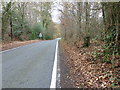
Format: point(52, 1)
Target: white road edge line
point(54, 72)
point(10, 49)
point(15, 48)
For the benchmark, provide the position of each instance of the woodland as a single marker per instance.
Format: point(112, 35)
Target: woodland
point(91, 32)
point(87, 29)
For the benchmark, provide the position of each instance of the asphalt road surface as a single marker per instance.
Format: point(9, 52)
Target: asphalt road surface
point(29, 66)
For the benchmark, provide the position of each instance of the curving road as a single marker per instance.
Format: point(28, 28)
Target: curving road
point(29, 66)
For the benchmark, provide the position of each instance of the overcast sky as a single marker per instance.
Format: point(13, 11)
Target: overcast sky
point(55, 13)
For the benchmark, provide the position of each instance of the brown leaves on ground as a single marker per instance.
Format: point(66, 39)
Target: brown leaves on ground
point(88, 73)
point(14, 44)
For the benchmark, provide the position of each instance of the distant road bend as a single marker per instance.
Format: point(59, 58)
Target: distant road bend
point(29, 66)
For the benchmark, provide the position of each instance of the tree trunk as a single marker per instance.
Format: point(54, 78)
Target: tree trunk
point(87, 37)
point(86, 41)
point(118, 28)
point(112, 19)
point(11, 34)
point(11, 28)
point(3, 29)
point(4, 16)
point(79, 18)
point(65, 34)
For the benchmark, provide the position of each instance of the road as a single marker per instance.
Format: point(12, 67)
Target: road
point(29, 66)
